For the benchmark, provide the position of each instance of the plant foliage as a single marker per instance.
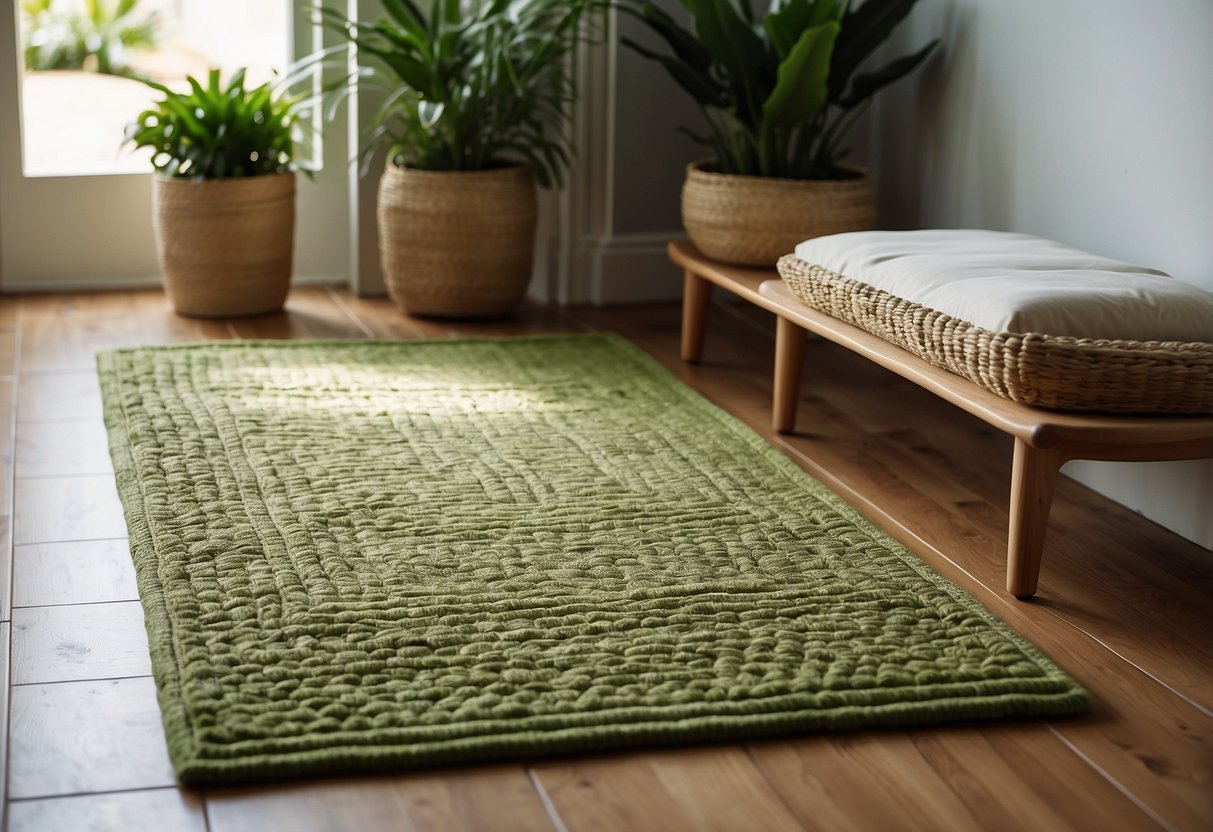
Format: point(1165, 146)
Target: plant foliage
point(470, 84)
point(778, 94)
point(218, 132)
point(85, 34)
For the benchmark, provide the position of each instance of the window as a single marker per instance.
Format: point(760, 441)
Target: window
point(82, 57)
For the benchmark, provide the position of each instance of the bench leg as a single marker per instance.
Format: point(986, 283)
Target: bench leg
point(789, 358)
point(696, 293)
point(1033, 476)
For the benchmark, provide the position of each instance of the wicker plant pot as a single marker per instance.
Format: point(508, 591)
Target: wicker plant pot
point(457, 243)
point(225, 245)
point(755, 220)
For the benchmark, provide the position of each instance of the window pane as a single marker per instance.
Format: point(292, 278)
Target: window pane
point(81, 57)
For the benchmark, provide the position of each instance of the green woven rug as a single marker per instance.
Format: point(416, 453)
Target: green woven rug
point(379, 555)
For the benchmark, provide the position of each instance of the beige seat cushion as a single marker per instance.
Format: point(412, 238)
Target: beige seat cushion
point(1008, 282)
point(1029, 319)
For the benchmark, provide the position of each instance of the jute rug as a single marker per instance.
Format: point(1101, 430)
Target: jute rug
point(380, 555)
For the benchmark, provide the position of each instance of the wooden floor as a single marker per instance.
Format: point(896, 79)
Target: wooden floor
point(1124, 606)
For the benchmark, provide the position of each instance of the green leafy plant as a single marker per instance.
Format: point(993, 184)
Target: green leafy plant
point(218, 132)
point(85, 34)
point(468, 85)
point(778, 94)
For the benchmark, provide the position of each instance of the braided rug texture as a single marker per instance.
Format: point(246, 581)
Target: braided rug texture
point(366, 555)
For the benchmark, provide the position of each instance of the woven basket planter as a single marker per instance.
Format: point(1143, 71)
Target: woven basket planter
point(225, 245)
point(457, 243)
point(755, 220)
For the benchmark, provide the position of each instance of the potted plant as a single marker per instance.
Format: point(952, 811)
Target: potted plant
point(475, 99)
point(94, 35)
point(223, 194)
point(778, 96)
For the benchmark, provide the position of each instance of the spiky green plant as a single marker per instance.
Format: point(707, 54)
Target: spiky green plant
point(85, 34)
point(469, 84)
point(218, 132)
point(778, 94)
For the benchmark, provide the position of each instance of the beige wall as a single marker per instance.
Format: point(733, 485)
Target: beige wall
point(1086, 121)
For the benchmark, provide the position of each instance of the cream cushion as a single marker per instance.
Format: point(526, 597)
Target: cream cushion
point(1006, 282)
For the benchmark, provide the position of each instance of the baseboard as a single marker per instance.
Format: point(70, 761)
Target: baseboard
point(634, 268)
point(147, 282)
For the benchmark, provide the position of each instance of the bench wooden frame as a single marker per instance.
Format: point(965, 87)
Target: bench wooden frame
point(1044, 440)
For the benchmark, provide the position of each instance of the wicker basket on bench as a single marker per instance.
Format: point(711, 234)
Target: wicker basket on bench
point(1059, 371)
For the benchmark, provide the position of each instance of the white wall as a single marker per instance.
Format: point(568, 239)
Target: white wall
point(1086, 121)
point(607, 232)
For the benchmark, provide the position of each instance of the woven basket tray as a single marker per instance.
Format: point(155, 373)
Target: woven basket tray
point(1043, 370)
point(755, 220)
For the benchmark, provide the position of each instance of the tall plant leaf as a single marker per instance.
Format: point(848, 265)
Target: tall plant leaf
point(406, 14)
point(699, 85)
point(737, 48)
point(864, 29)
point(478, 79)
point(787, 20)
point(801, 89)
point(866, 84)
point(91, 35)
point(684, 44)
point(215, 132)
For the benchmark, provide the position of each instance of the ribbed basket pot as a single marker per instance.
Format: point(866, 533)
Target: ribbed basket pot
point(457, 243)
point(225, 245)
point(755, 220)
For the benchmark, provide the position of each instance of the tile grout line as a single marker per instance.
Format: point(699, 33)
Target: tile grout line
point(76, 603)
point(10, 425)
point(36, 797)
point(56, 542)
point(7, 717)
point(1160, 682)
point(548, 806)
point(81, 475)
point(8, 557)
point(1116, 784)
point(348, 312)
point(62, 476)
point(81, 681)
point(80, 369)
point(748, 751)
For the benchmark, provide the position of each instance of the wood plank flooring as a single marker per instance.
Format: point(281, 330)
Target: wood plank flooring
point(1124, 607)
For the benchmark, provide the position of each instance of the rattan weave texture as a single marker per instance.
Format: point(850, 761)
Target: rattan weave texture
point(1058, 372)
point(755, 220)
point(457, 243)
point(225, 246)
point(376, 555)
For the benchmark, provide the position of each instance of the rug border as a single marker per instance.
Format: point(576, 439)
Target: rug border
point(196, 768)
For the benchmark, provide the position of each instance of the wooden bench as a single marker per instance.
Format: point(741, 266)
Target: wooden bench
point(1044, 440)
